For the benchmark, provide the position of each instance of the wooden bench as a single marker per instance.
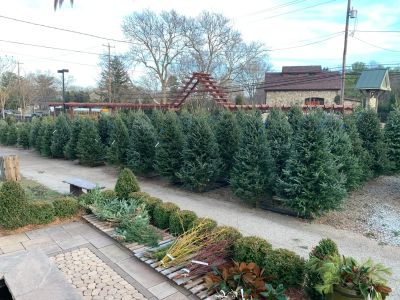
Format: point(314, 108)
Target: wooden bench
point(77, 185)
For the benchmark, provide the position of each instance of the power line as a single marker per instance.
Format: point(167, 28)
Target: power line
point(280, 6)
point(378, 31)
point(376, 46)
point(335, 35)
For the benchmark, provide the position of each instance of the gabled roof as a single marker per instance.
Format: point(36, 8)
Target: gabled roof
point(302, 78)
point(374, 80)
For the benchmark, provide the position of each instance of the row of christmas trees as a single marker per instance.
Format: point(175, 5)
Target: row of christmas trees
point(310, 160)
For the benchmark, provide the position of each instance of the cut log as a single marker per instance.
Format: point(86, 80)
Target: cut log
point(9, 168)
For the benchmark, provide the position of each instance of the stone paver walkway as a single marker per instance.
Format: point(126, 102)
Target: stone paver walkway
point(66, 243)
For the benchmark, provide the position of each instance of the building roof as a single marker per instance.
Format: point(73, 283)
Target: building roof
point(374, 80)
point(302, 78)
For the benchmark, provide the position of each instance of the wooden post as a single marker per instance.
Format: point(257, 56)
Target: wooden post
point(9, 168)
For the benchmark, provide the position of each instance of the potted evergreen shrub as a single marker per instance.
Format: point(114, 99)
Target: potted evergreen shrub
point(345, 279)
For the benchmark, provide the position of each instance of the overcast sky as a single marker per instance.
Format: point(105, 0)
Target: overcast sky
point(298, 23)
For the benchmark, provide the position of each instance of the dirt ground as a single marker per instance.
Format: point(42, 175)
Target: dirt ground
point(373, 211)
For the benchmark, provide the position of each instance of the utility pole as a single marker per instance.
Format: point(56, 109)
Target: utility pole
point(62, 72)
point(346, 35)
point(109, 71)
point(19, 88)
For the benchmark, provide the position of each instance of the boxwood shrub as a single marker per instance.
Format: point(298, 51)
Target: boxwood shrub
point(126, 184)
point(151, 204)
point(210, 224)
point(109, 194)
point(40, 212)
point(162, 212)
point(180, 221)
point(13, 205)
point(141, 196)
point(284, 267)
point(251, 249)
point(65, 207)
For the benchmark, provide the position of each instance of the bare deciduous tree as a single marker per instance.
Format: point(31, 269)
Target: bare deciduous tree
point(157, 41)
point(7, 64)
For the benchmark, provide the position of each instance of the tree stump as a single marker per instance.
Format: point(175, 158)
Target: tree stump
point(9, 168)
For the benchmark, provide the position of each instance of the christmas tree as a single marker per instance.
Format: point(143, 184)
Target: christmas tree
point(105, 126)
point(142, 142)
point(311, 182)
point(89, 148)
point(61, 136)
point(34, 133)
point(392, 139)
point(23, 135)
point(279, 137)
point(295, 115)
point(46, 134)
point(201, 162)
point(227, 132)
point(3, 132)
point(12, 134)
point(70, 148)
point(169, 147)
point(253, 167)
point(157, 119)
point(371, 134)
point(118, 141)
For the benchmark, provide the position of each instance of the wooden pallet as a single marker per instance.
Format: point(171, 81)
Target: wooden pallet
point(194, 284)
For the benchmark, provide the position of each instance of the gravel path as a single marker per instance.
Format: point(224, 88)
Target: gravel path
point(281, 231)
point(93, 278)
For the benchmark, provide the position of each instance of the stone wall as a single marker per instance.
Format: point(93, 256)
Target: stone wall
point(298, 97)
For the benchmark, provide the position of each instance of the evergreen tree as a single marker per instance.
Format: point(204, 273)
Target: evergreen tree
point(340, 146)
point(227, 133)
point(119, 138)
point(392, 139)
point(364, 159)
point(253, 167)
point(279, 137)
point(157, 119)
point(61, 136)
point(3, 132)
point(369, 128)
point(311, 182)
point(23, 135)
point(70, 148)
point(170, 141)
point(12, 134)
point(141, 148)
point(105, 126)
point(185, 117)
point(89, 148)
point(295, 115)
point(200, 158)
point(46, 134)
point(126, 184)
point(34, 133)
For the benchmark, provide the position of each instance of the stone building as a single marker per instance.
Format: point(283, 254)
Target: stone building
point(301, 85)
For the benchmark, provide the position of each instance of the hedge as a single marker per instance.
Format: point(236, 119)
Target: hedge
point(40, 212)
point(162, 213)
point(181, 221)
point(66, 207)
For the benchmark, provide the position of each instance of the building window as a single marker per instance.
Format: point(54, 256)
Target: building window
point(314, 101)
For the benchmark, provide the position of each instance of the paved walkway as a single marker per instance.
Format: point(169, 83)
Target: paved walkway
point(281, 231)
point(103, 268)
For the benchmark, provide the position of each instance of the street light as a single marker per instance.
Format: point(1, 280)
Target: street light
point(63, 85)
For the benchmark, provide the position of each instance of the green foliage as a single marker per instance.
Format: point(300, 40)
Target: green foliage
point(320, 253)
point(168, 156)
point(23, 135)
point(140, 196)
point(151, 204)
point(109, 194)
point(46, 134)
point(118, 141)
point(70, 149)
point(13, 204)
point(12, 134)
point(66, 207)
point(34, 137)
point(105, 127)
point(295, 117)
point(181, 221)
point(162, 213)
point(227, 133)
point(230, 233)
point(392, 139)
point(340, 145)
point(115, 210)
point(137, 229)
point(3, 132)
point(253, 165)
point(40, 212)
point(369, 128)
point(157, 119)
point(126, 184)
point(279, 137)
point(311, 182)
point(60, 137)
point(89, 149)
point(285, 267)
point(251, 249)
point(207, 224)
point(142, 141)
point(201, 162)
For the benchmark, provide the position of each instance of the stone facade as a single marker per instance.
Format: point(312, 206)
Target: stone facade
point(298, 97)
